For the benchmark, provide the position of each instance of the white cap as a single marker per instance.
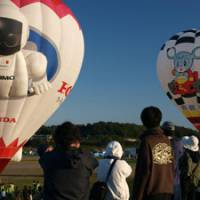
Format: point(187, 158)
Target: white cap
point(191, 143)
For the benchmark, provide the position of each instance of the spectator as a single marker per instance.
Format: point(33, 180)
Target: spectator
point(30, 196)
point(177, 147)
point(117, 185)
point(17, 194)
point(25, 193)
point(154, 175)
point(190, 168)
point(66, 168)
point(37, 185)
point(34, 183)
point(38, 194)
point(3, 194)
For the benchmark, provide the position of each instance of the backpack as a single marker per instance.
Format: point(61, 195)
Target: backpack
point(100, 189)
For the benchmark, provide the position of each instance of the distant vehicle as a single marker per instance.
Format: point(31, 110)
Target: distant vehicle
point(130, 153)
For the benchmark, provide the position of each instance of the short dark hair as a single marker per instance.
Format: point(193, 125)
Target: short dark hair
point(66, 134)
point(169, 132)
point(168, 128)
point(151, 117)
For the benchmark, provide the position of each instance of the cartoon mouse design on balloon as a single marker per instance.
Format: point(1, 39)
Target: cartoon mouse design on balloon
point(186, 81)
point(22, 72)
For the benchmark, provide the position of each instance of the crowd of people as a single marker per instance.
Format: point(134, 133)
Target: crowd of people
point(10, 191)
point(167, 168)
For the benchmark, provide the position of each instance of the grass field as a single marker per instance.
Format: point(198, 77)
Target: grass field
point(22, 173)
point(28, 170)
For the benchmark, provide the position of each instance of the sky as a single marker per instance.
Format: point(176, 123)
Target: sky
point(119, 73)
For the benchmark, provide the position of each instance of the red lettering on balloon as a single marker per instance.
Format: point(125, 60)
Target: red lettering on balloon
point(65, 88)
point(7, 120)
point(12, 120)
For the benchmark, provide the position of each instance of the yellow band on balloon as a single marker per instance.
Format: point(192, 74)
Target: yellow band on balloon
point(189, 113)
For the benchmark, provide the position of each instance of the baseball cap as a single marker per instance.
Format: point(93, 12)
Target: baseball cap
point(168, 126)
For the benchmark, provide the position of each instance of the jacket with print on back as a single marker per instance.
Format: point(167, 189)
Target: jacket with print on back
point(154, 173)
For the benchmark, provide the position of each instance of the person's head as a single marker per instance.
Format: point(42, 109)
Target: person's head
point(39, 188)
point(191, 143)
point(151, 117)
point(67, 135)
point(41, 150)
point(114, 149)
point(168, 128)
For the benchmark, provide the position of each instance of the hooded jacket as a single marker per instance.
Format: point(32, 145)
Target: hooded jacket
point(66, 174)
point(117, 184)
point(154, 175)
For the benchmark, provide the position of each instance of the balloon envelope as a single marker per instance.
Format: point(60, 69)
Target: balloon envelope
point(40, 74)
point(179, 73)
point(18, 156)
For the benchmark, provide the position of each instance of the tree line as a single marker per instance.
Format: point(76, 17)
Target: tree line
point(98, 134)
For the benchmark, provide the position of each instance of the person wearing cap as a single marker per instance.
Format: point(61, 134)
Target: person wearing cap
point(189, 168)
point(154, 174)
point(67, 168)
point(177, 147)
point(117, 184)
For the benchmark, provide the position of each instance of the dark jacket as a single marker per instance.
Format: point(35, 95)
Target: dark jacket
point(189, 165)
point(188, 158)
point(154, 173)
point(66, 174)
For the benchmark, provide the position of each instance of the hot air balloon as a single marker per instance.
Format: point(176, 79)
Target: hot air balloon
point(41, 53)
point(179, 73)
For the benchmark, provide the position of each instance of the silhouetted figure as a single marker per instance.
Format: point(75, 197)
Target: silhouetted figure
point(190, 168)
point(25, 193)
point(177, 147)
point(154, 175)
point(66, 168)
point(38, 194)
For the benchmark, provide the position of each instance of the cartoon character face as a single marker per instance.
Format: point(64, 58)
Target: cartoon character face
point(183, 60)
point(10, 36)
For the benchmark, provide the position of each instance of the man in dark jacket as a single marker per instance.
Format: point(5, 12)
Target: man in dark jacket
point(177, 148)
point(154, 173)
point(66, 168)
